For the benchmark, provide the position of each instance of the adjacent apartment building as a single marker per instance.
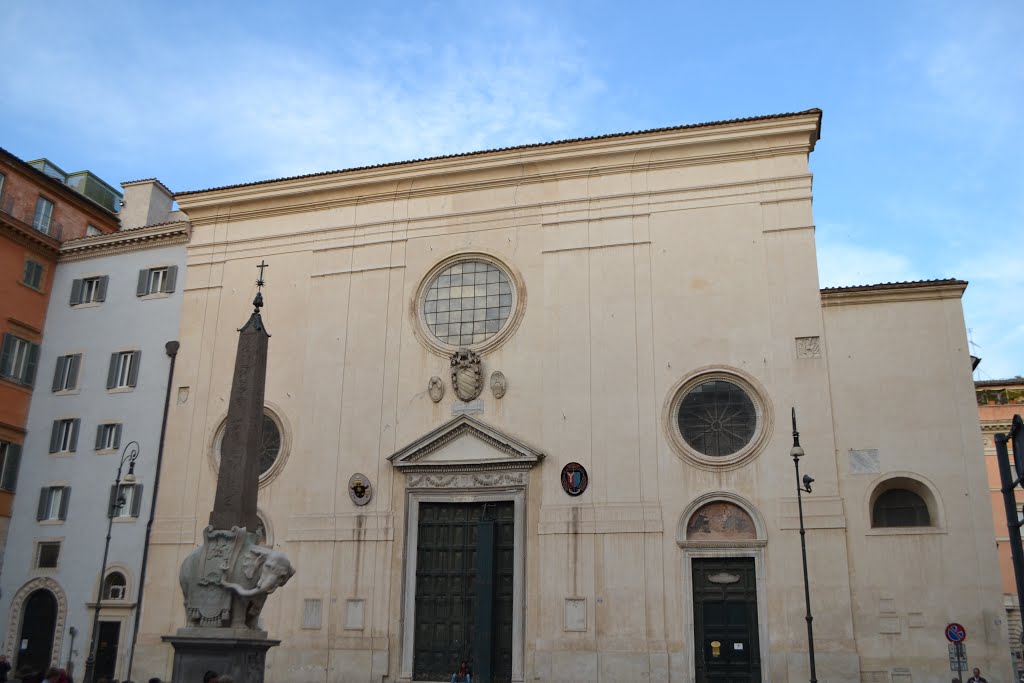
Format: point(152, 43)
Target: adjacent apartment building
point(998, 401)
point(101, 378)
point(38, 211)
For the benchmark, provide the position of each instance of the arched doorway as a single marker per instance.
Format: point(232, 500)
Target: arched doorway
point(35, 645)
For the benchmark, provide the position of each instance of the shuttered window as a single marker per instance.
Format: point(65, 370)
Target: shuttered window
point(125, 500)
point(33, 275)
point(53, 503)
point(64, 436)
point(44, 215)
point(18, 358)
point(10, 462)
point(108, 437)
point(89, 290)
point(157, 280)
point(65, 375)
point(124, 369)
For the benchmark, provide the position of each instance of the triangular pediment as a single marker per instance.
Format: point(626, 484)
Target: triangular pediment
point(465, 444)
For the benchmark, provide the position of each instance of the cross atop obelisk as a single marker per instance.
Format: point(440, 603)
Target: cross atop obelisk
point(239, 476)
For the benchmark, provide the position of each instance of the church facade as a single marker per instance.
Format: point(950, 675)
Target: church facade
point(531, 409)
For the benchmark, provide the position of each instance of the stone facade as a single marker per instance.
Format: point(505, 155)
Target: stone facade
point(630, 274)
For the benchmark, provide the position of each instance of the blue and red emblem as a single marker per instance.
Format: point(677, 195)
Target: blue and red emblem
point(574, 479)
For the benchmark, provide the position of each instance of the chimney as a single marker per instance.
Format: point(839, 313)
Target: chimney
point(145, 202)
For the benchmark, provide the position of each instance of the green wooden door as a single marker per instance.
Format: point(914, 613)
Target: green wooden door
point(726, 644)
point(446, 590)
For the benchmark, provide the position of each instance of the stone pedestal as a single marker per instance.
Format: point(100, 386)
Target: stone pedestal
point(241, 653)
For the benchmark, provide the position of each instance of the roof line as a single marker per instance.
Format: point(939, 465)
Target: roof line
point(912, 284)
point(66, 189)
point(516, 147)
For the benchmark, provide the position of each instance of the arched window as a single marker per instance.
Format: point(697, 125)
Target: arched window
point(114, 586)
point(899, 507)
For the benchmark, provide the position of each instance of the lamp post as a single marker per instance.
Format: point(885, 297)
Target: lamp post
point(128, 455)
point(804, 484)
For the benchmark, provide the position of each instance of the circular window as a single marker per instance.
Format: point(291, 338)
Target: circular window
point(717, 419)
point(467, 302)
point(272, 450)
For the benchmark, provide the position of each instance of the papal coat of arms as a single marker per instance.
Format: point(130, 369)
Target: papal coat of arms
point(467, 376)
point(359, 489)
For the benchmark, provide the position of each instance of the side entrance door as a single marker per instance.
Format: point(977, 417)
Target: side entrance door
point(106, 649)
point(726, 643)
point(464, 580)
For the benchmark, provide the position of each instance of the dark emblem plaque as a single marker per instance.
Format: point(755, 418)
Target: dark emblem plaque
point(574, 479)
point(359, 489)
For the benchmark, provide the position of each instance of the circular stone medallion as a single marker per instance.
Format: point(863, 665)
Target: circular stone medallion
point(359, 489)
point(574, 479)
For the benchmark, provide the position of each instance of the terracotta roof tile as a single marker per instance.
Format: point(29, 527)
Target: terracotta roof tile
point(1015, 381)
point(507, 149)
point(895, 285)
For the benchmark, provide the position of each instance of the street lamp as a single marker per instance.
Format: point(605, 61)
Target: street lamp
point(128, 455)
point(804, 484)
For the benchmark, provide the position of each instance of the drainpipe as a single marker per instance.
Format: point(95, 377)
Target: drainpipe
point(171, 348)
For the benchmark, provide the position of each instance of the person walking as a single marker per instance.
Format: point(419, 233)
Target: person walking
point(977, 677)
point(462, 675)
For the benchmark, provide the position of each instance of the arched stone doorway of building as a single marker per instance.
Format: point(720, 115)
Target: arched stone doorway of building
point(36, 621)
point(723, 537)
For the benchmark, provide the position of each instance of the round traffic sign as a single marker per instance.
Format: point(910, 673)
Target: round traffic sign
point(955, 633)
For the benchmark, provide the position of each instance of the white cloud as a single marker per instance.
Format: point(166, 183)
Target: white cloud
point(273, 108)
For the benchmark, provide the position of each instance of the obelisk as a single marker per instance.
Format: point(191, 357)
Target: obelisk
point(227, 579)
point(239, 476)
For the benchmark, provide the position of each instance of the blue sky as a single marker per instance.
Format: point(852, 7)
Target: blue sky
point(918, 175)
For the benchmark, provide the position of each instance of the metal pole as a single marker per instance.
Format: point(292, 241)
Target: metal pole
point(1012, 520)
point(958, 649)
point(88, 676)
point(801, 486)
point(807, 589)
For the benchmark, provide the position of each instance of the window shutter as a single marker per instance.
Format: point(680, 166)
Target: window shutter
point(112, 371)
point(99, 436)
point(140, 290)
point(74, 434)
point(26, 276)
point(136, 500)
point(101, 288)
point(113, 501)
point(9, 480)
point(172, 277)
point(76, 361)
point(44, 495)
point(76, 292)
point(30, 366)
point(65, 501)
point(5, 354)
point(58, 373)
point(133, 372)
point(54, 436)
point(117, 436)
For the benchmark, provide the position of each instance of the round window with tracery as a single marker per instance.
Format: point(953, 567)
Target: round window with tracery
point(270, 450)
point(717, 418)
point(467, 302)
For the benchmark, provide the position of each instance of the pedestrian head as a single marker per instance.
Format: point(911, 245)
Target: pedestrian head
point(210, 677)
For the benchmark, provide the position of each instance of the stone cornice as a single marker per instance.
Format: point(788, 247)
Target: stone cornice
point(894, 292)
point(126, 240)
point(575, 159)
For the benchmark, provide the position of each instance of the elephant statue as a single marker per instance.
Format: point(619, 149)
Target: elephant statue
point(274, 571)
point(226, 580)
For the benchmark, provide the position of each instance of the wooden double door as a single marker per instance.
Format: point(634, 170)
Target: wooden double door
point(464, 584)
point(726, 644)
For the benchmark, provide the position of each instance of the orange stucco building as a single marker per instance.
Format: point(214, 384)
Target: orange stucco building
point(39, 208)
point(998, 401)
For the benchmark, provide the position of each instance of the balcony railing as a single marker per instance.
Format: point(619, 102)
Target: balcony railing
point(55, 229)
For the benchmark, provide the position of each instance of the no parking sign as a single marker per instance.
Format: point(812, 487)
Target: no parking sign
point(955, 633)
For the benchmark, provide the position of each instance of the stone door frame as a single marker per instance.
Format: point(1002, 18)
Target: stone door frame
point(16, 616)
point(498, 471)
point(754, 548)
point(466, 488)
